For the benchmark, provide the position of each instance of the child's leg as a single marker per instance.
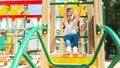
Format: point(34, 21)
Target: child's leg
point(67, 39)
point(75, 43)
point(75, 40)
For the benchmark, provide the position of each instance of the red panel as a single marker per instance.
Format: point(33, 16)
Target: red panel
point(21, 16)
point(19, 2)
point(3, 33)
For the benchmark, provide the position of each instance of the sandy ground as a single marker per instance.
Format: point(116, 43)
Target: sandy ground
point(107, 63)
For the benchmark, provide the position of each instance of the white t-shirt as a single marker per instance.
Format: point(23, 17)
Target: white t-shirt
point(70, 28)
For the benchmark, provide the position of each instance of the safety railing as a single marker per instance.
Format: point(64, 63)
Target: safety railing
point(21, 51)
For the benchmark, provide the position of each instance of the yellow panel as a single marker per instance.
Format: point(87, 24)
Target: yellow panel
point(78, 60)
point(83, 10)
point(9, 41)
point(3, 10)
point(15, 11)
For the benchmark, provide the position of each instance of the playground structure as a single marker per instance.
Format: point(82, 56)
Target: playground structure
point(94, 57)
point(14, 17)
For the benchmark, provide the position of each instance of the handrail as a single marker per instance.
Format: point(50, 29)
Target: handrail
point(113, 35)
point(116, 40)
point(115, 60)
point(23, 45)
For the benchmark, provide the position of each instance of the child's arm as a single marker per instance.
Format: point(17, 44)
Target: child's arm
point(79, 11)
point(65, 15)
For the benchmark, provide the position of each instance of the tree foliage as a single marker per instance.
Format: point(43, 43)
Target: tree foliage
point(112, 19)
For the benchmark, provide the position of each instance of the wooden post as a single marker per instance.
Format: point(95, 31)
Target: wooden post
point(45, 20)
point(81, 46)
point(53, 28)
point(15, 38)
point(62, 46)
point(98, 20)
point(90, 29)
point(102, 53)
point(82, 32)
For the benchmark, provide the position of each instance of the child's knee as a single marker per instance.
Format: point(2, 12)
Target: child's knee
point(68, 43)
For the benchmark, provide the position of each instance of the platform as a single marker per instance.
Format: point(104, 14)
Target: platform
point(73, 59)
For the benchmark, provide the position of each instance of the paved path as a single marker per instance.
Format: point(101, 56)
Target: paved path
point(107, 63)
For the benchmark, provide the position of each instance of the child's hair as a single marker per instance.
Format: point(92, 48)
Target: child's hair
point(70, 9)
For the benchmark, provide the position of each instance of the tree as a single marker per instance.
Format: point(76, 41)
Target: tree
point(112, 13)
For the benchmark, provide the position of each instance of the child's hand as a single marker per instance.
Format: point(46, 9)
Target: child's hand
point(81, 27)
point(80, 2)
point(65, 3)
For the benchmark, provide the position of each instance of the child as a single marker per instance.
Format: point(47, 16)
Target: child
point(70, 22)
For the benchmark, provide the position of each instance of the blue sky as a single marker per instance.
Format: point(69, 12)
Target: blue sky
point(35, 9)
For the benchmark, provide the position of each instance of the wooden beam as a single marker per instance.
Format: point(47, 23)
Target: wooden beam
point(15, 38)
point(102, 51)
point(62, 46)
point(98, 20)
point(53, 29)
point(46, 37)
point(81, 40)
point(91, 47)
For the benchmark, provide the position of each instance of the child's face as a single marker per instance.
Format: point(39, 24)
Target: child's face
point(70, 16)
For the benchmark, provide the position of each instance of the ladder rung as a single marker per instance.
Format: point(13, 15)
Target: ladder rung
point(70, 3)
point(62, 16)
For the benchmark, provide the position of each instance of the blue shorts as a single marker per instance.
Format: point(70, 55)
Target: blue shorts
point(71, 40)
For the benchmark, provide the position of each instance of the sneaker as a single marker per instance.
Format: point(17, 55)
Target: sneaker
point(75, 50)
point(68, 50)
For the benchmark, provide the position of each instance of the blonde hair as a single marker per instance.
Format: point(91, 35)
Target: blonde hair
point(70, 10)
